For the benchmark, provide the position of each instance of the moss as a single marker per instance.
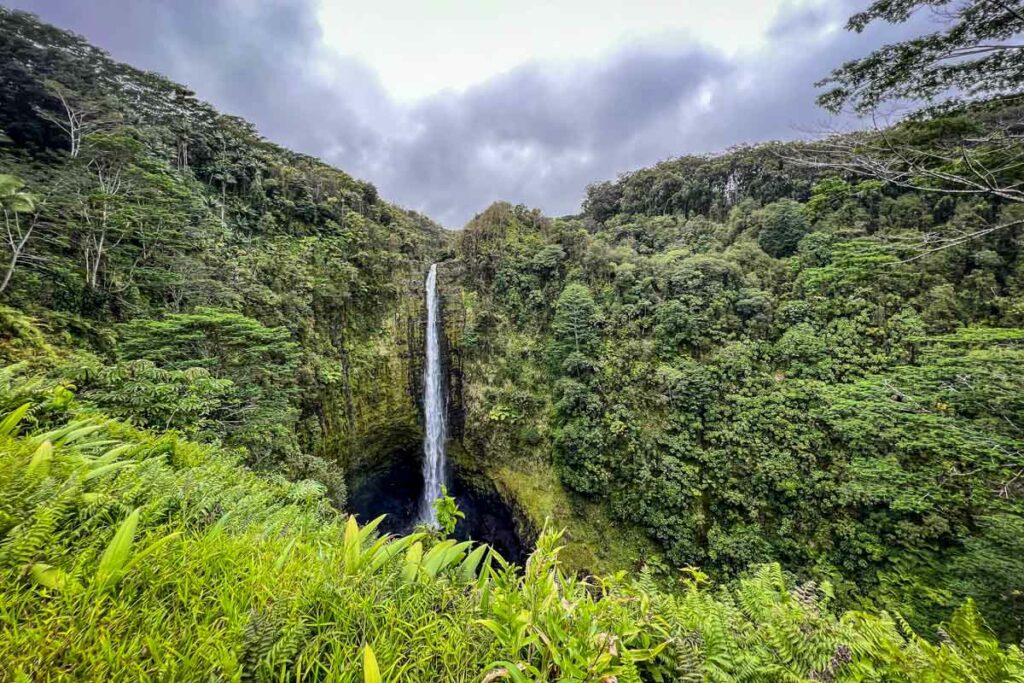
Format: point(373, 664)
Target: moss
point(594, 543)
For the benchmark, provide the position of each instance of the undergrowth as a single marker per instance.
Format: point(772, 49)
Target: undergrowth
point(136, 555)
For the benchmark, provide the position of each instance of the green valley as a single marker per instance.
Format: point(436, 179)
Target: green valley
point(748, 416)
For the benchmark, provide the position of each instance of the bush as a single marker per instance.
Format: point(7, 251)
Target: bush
point(784, 224)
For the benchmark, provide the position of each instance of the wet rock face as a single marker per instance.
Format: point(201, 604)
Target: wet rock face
point(394, 485)
point(453, 316)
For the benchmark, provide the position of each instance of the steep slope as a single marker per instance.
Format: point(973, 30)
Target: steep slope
point(220, 284)
point(753, 361)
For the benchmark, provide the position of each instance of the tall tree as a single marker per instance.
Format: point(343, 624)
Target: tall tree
point(77, 116)
point(575, 323)
point(969, 140)
point(14, 200)
point(105, 210)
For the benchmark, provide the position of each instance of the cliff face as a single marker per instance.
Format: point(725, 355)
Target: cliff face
point(377, 409)
point(453, 312)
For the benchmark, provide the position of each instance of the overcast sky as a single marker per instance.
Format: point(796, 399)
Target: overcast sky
point(448, 105)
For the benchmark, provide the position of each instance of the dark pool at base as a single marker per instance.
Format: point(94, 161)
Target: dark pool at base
point(395, 486)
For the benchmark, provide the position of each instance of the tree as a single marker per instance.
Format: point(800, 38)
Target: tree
point(785, 224)
point(154, 397)
point(952, 148)
point(78, 116)
point(976, 54)
point(260, 361)
point(105, 212)
point(575, 323)
point(602, 200)
point(15, 201)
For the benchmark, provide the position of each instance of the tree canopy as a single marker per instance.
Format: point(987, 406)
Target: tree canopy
point(976, 53)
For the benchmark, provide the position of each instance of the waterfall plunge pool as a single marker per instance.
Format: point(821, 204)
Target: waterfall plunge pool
point(404, 484)
point(395, 487)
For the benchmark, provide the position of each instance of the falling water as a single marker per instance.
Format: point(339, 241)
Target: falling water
point(433, 408)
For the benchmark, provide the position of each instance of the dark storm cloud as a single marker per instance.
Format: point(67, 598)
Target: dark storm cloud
point(254, 59)
point(537, 134)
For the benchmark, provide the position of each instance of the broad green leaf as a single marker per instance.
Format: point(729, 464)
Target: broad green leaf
point(351, 545)
point(435, 556)
point(412, 562)
point(53, 578)
point(102, 470)
point(467, 570)
point(10, 423)
point(391, 549)
point(41, 458)
point(369, 528)
point(371, 672)
point(118, 550)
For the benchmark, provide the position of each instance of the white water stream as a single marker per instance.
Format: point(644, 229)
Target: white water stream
point(434, 408)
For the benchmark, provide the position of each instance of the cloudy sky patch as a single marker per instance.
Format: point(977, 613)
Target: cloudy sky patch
point(447, 106)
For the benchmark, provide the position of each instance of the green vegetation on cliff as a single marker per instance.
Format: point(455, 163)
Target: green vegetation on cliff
point(762, 411)
point(768, 371)
point(207, 279)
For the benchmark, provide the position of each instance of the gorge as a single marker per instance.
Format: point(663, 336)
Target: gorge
point(754, 415)
point(404, 482)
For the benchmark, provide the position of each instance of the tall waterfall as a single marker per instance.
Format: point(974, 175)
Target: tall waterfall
point(433, 407)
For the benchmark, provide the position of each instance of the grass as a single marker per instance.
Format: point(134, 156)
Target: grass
point(134, 555)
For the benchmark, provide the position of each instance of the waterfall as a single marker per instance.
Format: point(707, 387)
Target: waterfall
point(434, 405)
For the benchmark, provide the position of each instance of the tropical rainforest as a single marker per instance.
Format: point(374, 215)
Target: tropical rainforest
point(757, 416)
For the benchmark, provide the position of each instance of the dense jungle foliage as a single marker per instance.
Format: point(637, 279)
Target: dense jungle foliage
point(140, 555)
point(763, 409)
point(207, 279)
point(748, 361)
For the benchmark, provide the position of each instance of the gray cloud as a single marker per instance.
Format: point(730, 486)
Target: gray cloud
point(537, 134)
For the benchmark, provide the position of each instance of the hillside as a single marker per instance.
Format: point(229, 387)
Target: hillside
point(745, 361)
point(207, 279)
point(754, 416)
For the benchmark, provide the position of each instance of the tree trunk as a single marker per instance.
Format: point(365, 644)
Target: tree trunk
point(10, 272)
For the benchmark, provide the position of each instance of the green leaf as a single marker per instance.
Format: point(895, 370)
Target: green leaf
point(118, 550)
point(391, 549)
point(80, 433)
point(283, 557)
point(58, 434)
point(115, 453)
point(97, 472)
point(41, 458)
point(369, 528)
point(351, 545)
point(53, 578)
point(431, 563)
point(467, 570)
point(371, 672)
point(150, 550)
point(10, 423)
point(412, 562)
